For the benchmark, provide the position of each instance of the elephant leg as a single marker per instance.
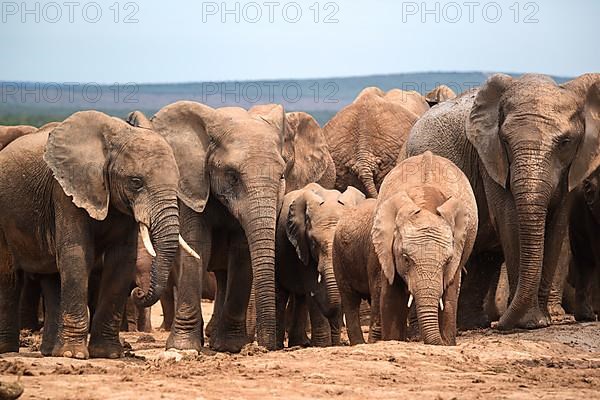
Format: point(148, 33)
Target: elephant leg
point(130, 316)
point(556, 238)
point(281, 299)
point(10, 288)
point(320, 329)
point(351, 310)
point(221, 278)
point(144, 319)
point(29, 303)
point(118, 271)
point(448, 315)
point(394, 309)
point(555, 298)
point(475, 287)
point(335, 324)
point(187, 331)
point(219, 257)
point(375, 315)
point(167, 303)
point(50, 285)
point(490, 307)
point(230, 333)
point(75, 260)
point(298, 321)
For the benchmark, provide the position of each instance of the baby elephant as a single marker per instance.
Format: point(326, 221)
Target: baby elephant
point(303, 263)
point(585, 245)
point(423, 232)
point(357, 269)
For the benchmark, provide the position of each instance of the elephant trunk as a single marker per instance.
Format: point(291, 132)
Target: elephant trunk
point(531, 200)
point(364, 167)
point(333, 303)
point(427, 301)
point(164, 234)
point(260, 233)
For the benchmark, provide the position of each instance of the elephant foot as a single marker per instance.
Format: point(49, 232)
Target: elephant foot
point(556, 310)
point(229, 343)
point(47, 347)
point(71, 350)
point(106, 349)
point(185, 341)
point(9, 347)
point(533, 319)
point(298, 340)
point(584, 313)
point(473, 320)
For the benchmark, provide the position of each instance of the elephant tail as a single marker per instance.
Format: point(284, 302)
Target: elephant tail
point(364, 168)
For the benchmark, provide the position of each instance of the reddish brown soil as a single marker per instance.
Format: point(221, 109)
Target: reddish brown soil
point(559, 362)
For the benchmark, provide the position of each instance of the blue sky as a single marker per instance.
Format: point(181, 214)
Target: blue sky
point(183, 41)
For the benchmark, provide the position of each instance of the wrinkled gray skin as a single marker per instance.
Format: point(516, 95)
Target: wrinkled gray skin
point(74, 194)
point(357, 270)
point(523, 143)
point(235, 166)
point(423, 232)
point(366, 136)
point(584, 226)
point(303, 262)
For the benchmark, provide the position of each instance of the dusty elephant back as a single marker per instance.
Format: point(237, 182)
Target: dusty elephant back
point(10, 133)
point(365, 139)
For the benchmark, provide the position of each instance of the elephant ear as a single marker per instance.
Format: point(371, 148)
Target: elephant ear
point(455, 215)
point(77, 153)
point(351, 197)
point(138, 119)
point(483, 124)
point(297, 223)
point(186, 125)
point(587, 158)
point(311, 156)
point(384, 227)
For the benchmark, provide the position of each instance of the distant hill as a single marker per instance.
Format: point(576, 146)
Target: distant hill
point(37, 103)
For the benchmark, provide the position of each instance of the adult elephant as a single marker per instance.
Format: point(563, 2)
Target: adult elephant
point(523, 143)
point(75, 194)
point(366, 136)
point(235, 167)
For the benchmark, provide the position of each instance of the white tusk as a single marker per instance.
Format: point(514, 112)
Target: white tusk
point(146, 240)
point(441, 304)
point(410, 299)
point(319, 278)
point(312, 294)
point(187, 248)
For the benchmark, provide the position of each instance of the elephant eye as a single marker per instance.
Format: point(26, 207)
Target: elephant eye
point(405, 258)
point(564, 142)
point(232, 177)
point(136, 183)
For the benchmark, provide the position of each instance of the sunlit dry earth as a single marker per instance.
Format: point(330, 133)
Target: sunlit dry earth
point(560, 362)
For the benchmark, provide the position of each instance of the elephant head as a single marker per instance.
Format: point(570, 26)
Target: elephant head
point(312, 217)
point(242, 159)
point(538, 140)
point(422, 241)
point(102, 162)
point(439, 94)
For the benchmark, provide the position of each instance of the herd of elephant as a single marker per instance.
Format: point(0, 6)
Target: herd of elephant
point(410, 202)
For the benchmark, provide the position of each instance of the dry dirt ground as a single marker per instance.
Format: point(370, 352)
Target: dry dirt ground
point(560, 362)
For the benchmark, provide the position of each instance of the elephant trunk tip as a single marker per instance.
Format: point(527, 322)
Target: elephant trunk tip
point(142, 299)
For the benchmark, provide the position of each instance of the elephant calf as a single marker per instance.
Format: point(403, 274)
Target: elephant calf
point(303, 263)
point(585, 245)
point(357, 269)
point(423, 232)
